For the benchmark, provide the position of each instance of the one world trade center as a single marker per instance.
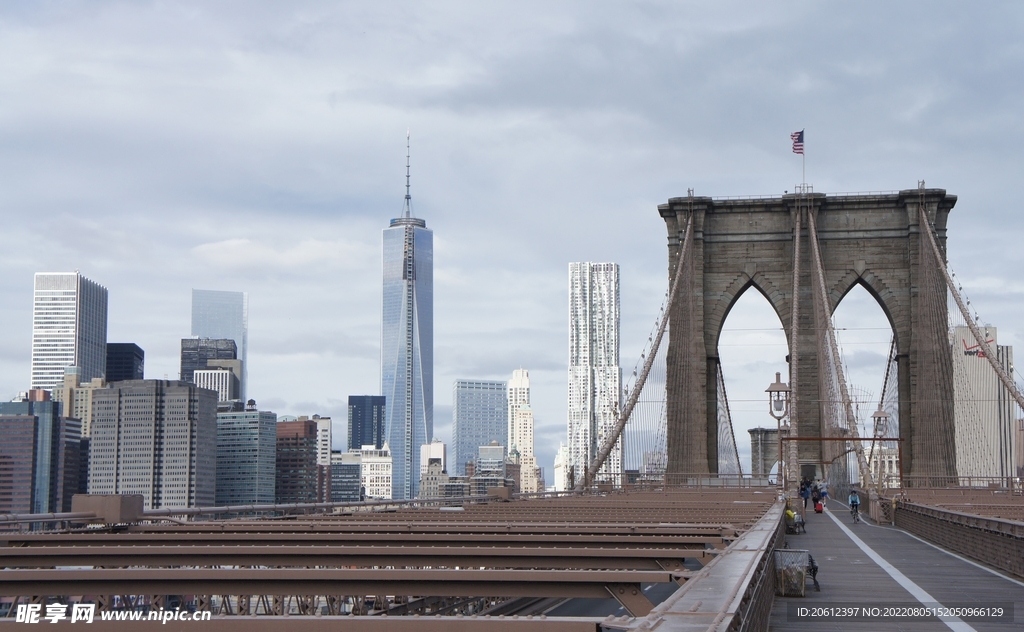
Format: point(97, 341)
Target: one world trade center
point(407, 344)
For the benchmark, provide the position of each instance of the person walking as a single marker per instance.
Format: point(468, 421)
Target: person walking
point(805, 493)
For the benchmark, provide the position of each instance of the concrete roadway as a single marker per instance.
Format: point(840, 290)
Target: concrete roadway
point(890, 566)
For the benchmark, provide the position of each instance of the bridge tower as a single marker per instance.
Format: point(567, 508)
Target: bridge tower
point(874, 240)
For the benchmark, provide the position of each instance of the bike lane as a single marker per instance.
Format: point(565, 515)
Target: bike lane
point(947, 577)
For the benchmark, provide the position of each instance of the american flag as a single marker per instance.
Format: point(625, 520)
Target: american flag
point(798, 142)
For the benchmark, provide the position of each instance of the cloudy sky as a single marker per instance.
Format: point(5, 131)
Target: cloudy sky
point(260, 147)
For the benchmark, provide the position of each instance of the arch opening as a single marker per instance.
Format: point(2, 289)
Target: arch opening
point(751, 348)
point(865, 333)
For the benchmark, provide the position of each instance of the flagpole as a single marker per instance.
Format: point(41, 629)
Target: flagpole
point(798, 144)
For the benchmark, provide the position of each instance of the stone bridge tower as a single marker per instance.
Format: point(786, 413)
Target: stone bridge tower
point(873, 240)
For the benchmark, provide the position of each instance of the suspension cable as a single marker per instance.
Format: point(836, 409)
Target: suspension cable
point(620, 424)
point(1008, 383)
point(822, 294)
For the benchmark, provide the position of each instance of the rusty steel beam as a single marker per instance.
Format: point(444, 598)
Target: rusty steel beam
point(292, 623)
point(594, 546)
point(620, 541)
point(420, 582)
point(463, 557)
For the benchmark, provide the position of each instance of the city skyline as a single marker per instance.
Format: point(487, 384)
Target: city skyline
point(265, 154)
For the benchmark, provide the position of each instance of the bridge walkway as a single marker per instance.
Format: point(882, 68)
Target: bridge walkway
point(849, 575)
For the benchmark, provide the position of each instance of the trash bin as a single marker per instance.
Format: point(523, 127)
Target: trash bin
point(790, 572)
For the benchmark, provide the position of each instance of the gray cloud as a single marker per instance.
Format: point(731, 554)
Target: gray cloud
point(260, 147)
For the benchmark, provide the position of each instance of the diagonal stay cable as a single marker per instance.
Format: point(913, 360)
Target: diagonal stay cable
point(631, 401)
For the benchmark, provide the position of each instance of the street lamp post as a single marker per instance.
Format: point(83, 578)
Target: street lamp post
point(778, 408)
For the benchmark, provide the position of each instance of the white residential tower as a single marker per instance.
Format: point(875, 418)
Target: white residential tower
point(595, 379)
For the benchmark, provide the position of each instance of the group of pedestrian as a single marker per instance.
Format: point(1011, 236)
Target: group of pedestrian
point(816, 491)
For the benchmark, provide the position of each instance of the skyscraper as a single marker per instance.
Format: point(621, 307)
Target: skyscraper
point(366, 421)
point(224, 315)
point(125, 361)
point(407, 343)
point(223, 381)
point(246, 456)
point(157, 438)
point(38, 455)
point(298, 475)
point(69, 327)
point(346, 482)
point(76, 397)
point(520, 428)
point(479, 416)
point(984, 410)
point(196, 354)
point(595, 379)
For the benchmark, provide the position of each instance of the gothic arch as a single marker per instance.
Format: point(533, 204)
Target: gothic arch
point(873, 240)
point(736, 289)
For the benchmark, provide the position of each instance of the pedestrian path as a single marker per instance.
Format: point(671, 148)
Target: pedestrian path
point(865, 565)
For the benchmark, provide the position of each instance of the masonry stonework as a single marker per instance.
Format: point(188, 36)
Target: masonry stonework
point(873, 240)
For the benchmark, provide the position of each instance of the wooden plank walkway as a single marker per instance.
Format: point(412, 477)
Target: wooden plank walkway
point(848, 576)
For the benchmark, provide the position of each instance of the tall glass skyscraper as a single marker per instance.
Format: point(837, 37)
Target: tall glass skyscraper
point(69, 328)
point(246, 457)
point(366, 421)
point(595, 379)
point(407, 344)
point(224, 315)
point(479, 416)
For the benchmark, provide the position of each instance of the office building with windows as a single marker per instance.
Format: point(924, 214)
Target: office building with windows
point(69, 328)
point(125, 361)
point(246, 456)
point(324, 439)
point(75, 396)
point(39, 455)
point(197, 354)
point(224, 315)
point(436, 449)
point(222, 381)
point(407, 344)
point(479, 416)
point(157, 438)
point(376, 472)
point(366, 415)
point(520, 429)
point(985, 412)
point(346, 481)
point(298, 477)
point(434, 478)
point(595, 378)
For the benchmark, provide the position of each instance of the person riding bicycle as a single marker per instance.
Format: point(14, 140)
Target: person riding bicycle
point(854, 502)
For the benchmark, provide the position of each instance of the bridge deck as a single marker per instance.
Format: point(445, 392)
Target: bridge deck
point(850, 577)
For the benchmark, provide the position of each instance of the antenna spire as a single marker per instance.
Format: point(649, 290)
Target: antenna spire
point(408, 196)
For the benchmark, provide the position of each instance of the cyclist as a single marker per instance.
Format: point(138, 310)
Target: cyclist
point(855, 505)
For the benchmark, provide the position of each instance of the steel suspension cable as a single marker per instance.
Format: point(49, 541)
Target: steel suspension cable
point(794, 344)
point(971, 324)
point(634, 396)
point(822, 294)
